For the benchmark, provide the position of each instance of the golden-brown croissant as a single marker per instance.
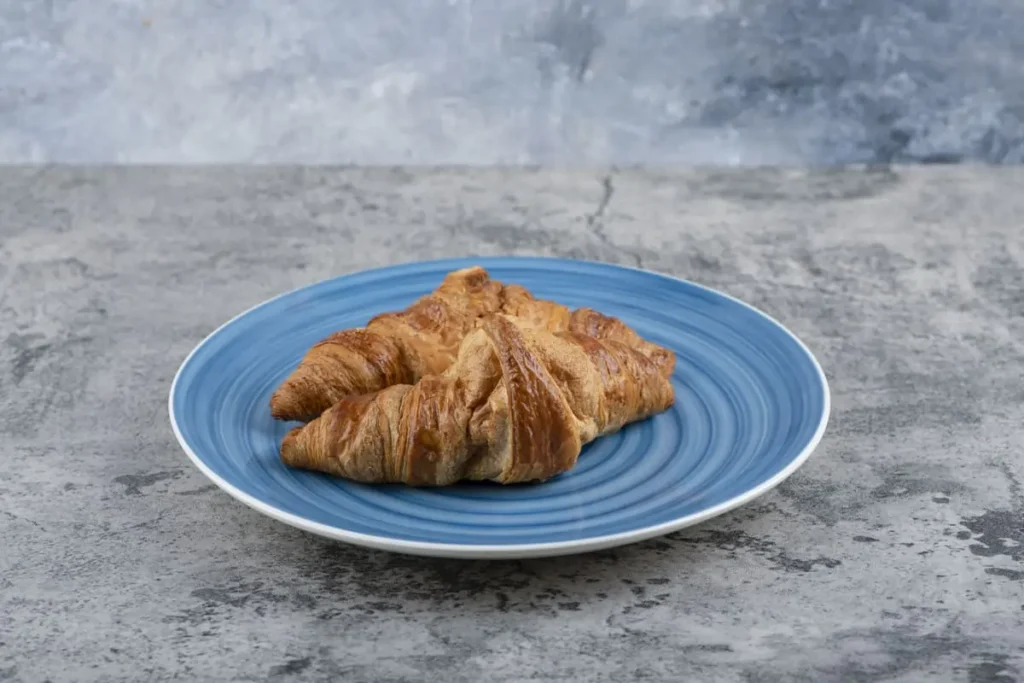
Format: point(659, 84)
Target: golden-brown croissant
point(517, 405)
point(402, 347)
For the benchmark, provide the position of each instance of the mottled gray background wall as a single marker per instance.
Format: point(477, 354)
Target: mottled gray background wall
point(500, 81)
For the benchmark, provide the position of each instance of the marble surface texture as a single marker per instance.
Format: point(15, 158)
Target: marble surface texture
point(722, 82)
point(896, 554)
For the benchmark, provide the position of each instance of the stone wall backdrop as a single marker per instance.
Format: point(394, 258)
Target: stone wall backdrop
point(694, 82)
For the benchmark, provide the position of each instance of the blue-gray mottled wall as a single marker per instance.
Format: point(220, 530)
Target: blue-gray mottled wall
point(733, 82)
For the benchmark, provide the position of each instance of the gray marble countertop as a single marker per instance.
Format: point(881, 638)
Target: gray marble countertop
point(895, 554)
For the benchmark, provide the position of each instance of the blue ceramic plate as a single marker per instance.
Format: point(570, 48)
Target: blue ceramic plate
point(751, 405)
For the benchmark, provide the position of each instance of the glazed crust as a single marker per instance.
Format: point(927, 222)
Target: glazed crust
point(402, 347)
point(516, 405)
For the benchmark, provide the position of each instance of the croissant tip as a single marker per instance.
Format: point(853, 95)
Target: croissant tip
point(280, 406)
point(472, 275)
point(286, 403)
point(293, 452)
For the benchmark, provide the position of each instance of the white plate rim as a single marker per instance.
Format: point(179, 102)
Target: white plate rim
point(520, 550)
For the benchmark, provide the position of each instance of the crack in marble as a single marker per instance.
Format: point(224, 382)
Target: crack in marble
point(595, 222)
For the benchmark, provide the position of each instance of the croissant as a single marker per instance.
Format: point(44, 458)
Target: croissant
point(402, 347)
point(517, 405)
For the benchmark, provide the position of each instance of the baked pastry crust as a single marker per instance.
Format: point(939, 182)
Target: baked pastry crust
point(516, 405)
point(402, 347)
